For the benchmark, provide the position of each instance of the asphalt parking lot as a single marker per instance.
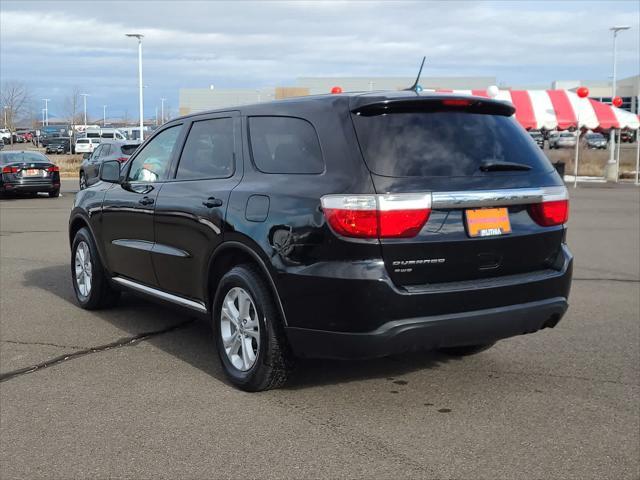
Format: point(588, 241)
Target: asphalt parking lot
point(562, 403)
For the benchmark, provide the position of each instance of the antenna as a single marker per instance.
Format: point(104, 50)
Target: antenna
point(414, 87)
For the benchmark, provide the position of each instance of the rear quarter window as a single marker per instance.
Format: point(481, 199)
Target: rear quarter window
point(285, 145)
point(445, 143)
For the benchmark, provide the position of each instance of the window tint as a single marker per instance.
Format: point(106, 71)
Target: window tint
point(443, 143)
point(208, 151)
point(106, 150)
point(96, 153)
point(83, 140)
point(128, 149)
point(285, 145)
point(152, 162)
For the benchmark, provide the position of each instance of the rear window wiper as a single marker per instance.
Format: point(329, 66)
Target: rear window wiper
point(495, 166)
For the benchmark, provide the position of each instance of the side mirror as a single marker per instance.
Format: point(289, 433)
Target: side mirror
point(110, 171)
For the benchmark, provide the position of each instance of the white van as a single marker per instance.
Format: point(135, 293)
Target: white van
point(110, 133)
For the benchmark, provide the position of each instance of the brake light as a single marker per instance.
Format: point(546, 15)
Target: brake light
point(53, 168)
point(122, 159)
point(548, 214)
point(377, 216)
point(10, 169)
point(456, 103)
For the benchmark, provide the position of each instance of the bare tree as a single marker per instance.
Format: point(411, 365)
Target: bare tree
point(15, 98)
point(72, 106)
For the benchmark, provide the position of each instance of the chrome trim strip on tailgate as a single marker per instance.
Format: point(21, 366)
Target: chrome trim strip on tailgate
point(199, 306)
point(497, 198)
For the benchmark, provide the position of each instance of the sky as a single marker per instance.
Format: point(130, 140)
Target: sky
point(53, 46)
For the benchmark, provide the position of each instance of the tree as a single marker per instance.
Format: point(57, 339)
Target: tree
point(15, 98)
point(72, 107)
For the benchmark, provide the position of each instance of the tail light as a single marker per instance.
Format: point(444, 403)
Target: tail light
point(53, 168)
point(122, 159)
point(455, 102)
point(377, 216)
point(553, 210)
point(10, 169)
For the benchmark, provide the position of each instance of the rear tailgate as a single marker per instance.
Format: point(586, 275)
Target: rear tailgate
point(485, 175)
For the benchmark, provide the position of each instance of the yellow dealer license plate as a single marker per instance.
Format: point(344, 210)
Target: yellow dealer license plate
point(487, 222)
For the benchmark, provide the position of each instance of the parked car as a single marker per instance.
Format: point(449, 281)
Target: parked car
point(595, 140)
point(86, 145)
point(5, 134)
point(58, 145)
point(28, 172)
point(537, 137)
point(340, 226)
point(1, 143)
point(562, 140)
point(25, 134)
point(106, 151)
point(627, 136)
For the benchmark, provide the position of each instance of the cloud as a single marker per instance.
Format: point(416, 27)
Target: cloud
point(254, 44)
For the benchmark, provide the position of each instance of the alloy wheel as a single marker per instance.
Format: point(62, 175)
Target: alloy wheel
point(83, 269)
point(240, 329)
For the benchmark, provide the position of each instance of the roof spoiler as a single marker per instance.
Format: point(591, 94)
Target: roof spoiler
point(367, 106)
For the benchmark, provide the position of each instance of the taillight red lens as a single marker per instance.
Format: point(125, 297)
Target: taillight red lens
point(122, 159)
point(10, 169)
point(53, 168)
point(377, 216)
point(548, 214)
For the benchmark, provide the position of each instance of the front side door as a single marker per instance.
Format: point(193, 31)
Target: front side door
point(190, 211)
point(128, 208)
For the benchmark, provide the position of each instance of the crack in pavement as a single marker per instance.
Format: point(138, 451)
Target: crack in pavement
point(123, 342)
point(44, 344)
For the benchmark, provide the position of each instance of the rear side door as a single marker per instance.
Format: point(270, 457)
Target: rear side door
point(127, 214)
point(484, 180)
point(190, 210)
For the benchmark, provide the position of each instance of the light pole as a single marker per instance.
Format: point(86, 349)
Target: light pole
point(104, 115)
point(162, 110)
point(84, 98)
point(5, 115)
point(139, 37)
point(611, 169)
point(46, 111)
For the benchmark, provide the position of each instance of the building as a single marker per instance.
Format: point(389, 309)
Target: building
point(199, 99)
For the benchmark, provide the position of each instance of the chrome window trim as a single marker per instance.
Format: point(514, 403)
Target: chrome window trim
point(496, 198)
point(199, 306)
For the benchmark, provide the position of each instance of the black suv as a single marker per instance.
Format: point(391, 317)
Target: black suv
point(341, 226)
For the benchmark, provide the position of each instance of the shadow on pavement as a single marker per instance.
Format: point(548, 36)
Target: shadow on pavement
point(194, 344)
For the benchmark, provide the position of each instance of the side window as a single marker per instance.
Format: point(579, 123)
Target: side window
point(285, 145)
point(151, 164)
point(208, 151)
point(96, 153)
point(106, 150)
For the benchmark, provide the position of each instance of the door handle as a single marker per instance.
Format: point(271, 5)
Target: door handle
point(212, 202)
point(146, 201)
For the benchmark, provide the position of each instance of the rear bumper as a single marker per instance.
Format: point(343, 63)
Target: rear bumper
point(370, 317)
point(424, 333)
point(30, 187)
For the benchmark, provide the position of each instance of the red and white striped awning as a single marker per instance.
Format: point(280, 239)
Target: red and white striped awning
point(560, 110)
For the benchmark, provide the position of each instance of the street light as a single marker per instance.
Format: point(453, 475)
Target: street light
point(46, 111)
point(612, 168)
point(84, 97)
point(104, 115)
point(5, 115)
point(139, 37)
point(162, 110)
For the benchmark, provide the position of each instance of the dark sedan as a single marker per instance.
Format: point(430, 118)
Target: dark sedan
point(107, 150)
point(58, 145)
point(28, 172)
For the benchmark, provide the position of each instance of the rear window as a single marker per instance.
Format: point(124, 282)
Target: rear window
point(444, 143)
point(13, 157)
point(285, 145)
point(83, 140)
point(128, 149)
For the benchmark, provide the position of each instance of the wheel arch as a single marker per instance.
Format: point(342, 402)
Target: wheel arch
point(229, 254)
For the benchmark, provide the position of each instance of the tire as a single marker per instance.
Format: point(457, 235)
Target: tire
point(55, 193)
point(271, 363)
point(82, 183)
point(99, 293)
point(466, 350)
